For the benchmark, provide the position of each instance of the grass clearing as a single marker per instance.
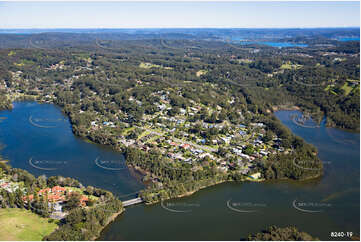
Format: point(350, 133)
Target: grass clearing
point(127, 130)
point(356, 89)
point(346, 88)
point(81, 191)
point(290, 66)
point(148, 65)
point(327, 88)
point(24, 62)
point(246, 61)
point(333, 92)
point(152, 139)
point(353, 81)
point(23, 225)
point(201, 72)
point(145, 133)
point(319, 65)
point(81, 56)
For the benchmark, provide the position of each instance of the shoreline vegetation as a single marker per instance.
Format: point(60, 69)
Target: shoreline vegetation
point(2, 160)
point(158, 182)
point(274, 233)
point(187, 119)
point(163, 186)
point(316, 118)
point(109, 221)
point(84, 211)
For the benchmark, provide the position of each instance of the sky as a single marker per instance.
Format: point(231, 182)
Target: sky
point(178, 14)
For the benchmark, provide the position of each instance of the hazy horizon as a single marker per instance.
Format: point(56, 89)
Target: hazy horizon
point(159, 15)
point(125, 28)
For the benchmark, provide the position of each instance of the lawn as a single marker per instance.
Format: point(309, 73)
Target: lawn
point(145, 133)
point(11, 53)
point(356, 90)
point(81, 191)
point(152, 139)
point(81, 55)
point(290, 66)
point(20, 224)
point(201, 72)
point(347, 88)
point(148, 65)
point(25, 62)
point(127, 130)
point(327, 88)
point(246, 61)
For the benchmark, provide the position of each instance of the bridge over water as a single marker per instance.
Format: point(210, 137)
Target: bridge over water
point(132, 202)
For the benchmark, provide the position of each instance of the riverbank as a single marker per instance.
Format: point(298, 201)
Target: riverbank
point(246, 179)
point(110, 220)
point(285, 108)
point(3, 161)
point(164, 190)
point(212, 200)
point(277, 196)
point(189, 193)
point(318, 118)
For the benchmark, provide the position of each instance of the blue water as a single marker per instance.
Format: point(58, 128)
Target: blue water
point(37, 137)
point(275, 44)
point(335, 197)
point(334, 200)
point(349, 39)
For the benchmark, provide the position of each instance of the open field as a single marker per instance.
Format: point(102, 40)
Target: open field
point(290, 66)
point(201, 72)
point(347, 88)
point(20, 224)
point(147, 65)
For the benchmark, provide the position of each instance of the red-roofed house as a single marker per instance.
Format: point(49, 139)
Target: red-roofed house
point(185, 146)
point(45, 190)
point(55, 198)
point(25, 198)
point(58, 189)
point(83, 200)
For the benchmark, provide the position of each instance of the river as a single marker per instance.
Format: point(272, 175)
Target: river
point(228, 211)
point(38, 138)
